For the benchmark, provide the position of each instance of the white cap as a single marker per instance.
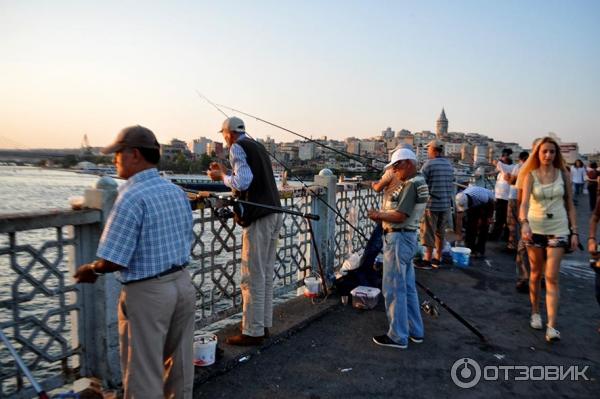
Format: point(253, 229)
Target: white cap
point(462, 202)
point(234, 124)
point(400, 155)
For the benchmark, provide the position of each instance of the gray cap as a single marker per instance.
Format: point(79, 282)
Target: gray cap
point(233, 124)
point(133, 137)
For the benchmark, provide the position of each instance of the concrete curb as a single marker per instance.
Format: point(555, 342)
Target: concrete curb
point(288, 318)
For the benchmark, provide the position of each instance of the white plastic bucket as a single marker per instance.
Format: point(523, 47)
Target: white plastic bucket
point(312, 287)
point(205, 348)
point(460, 256)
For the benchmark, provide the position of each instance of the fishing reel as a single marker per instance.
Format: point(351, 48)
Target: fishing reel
point(430, 309)
point(223, 214)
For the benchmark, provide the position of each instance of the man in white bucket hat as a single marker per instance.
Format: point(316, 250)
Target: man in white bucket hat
point(400, 215)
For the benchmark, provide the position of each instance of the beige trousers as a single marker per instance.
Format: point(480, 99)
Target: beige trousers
point(156, 327)
point(259, 244)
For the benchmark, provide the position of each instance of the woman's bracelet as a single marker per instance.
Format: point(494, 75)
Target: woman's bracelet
point(524, 221)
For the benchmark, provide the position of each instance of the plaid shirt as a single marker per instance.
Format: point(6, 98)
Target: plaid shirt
point(149, 229)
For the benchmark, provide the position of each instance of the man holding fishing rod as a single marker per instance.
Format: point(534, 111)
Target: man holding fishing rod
point(147, 241)
point(400, 215)
point(252, 180)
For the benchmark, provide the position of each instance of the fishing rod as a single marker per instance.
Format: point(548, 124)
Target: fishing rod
point(233, 200)
point(291, 174)
point(38, 389)
point(428, 291)
point(354, 157)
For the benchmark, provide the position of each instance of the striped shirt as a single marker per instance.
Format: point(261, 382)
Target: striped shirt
point(149, 228)
point(439, 175)
point(479, 195)
point(242, 176)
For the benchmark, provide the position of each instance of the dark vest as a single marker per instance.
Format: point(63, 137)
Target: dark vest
point(262, 189)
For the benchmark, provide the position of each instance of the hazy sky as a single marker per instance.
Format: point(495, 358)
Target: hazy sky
point(512, 70)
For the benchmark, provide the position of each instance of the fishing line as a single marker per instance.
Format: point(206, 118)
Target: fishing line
point(360, 233)
point(291, 174)
point(354, 157)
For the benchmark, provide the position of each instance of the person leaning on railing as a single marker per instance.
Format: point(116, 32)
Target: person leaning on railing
point(547, 217)
point(147, 242)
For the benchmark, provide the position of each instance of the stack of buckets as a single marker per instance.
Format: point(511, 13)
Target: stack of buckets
point(460, 256)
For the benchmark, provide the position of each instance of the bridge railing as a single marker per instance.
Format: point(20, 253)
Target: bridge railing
point(63, 330)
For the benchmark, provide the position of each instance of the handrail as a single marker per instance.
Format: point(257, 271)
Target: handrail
point(13, 222)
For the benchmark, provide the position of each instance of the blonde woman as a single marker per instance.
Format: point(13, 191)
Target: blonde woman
point(547, 217)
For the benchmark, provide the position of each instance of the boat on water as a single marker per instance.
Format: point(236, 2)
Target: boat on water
point(195, 182)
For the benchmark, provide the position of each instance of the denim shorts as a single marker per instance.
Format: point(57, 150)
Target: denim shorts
point(548, 241)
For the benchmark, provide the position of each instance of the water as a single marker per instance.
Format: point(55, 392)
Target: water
point(26, 189)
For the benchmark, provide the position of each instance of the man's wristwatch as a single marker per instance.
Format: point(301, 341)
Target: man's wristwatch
point(93, 268)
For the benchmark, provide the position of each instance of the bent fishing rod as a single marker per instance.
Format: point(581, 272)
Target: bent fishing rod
point(291, 174)
point(360, 233)
point(355, 157)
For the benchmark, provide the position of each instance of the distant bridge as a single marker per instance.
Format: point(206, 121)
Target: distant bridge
point(15, 155)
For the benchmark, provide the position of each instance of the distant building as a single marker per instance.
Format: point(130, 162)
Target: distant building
point(216, 147)
point(176, 147)
point(441, 126)
point(388, 133)
point(306, 151)
point(569, 151)
point(198, 146)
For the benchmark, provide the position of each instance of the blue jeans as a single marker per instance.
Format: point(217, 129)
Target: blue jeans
point(399, 289)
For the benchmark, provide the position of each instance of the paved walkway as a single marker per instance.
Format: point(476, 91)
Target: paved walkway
point(326, 351)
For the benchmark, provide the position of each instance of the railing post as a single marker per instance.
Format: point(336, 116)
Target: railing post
point(325, 227)
point(96, 325)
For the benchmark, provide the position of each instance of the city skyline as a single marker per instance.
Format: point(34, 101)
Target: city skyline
point(506, 70)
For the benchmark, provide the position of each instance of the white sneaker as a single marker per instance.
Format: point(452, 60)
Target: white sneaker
point(552, 334)
point(536, 321)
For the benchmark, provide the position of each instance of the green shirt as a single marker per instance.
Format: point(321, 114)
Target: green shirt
point(409, 197)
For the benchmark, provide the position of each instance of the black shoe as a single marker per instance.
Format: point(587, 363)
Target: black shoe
point(422, 264)
point(384, 340)
point(435, 263)
point(244, 340)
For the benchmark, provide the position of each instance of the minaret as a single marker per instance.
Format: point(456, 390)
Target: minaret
point(441, 126)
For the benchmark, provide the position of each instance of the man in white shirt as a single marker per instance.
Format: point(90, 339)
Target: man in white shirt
point(504, 167)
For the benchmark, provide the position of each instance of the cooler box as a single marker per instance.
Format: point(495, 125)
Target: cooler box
point(365, 297)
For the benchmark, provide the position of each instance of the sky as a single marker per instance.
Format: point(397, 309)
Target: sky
point(512, 70)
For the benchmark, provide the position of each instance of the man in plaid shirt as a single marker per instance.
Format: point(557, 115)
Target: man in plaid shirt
point(147, 241)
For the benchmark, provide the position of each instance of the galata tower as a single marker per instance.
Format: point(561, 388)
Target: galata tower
point(441, 126)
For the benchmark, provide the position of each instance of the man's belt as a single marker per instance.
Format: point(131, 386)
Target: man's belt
point(173, 269)
point(399, 230)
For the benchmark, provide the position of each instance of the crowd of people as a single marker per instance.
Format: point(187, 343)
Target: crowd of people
point(533, 208)
point(148, 235)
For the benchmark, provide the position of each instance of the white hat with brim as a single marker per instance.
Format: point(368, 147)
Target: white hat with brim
point(400, 155)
